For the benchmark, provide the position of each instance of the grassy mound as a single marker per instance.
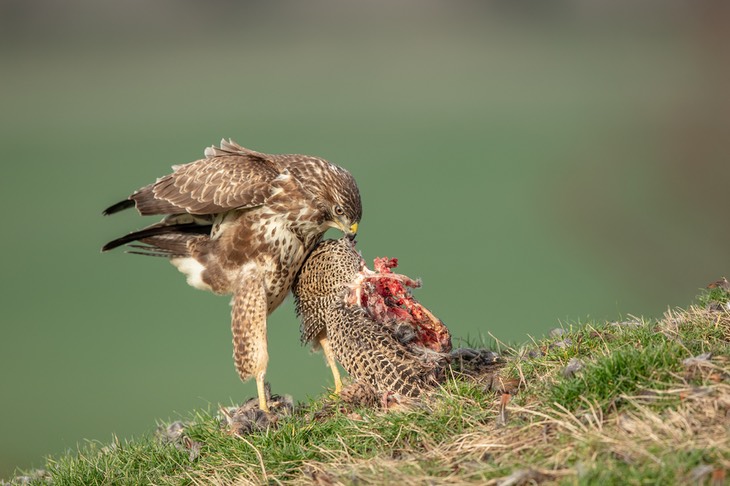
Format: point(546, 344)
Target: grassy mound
point(630, 402)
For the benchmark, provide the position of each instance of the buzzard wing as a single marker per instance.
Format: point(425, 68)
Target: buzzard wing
point(230, 177)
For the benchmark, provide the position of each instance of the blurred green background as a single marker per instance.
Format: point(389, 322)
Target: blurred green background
point(536, 163)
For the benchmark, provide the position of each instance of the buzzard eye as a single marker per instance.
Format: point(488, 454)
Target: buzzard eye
point(339, 211)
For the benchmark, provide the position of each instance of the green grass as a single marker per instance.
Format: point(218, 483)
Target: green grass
point(639, 411)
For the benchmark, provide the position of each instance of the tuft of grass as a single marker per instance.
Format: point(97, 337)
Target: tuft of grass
point(621, 373)
point(635, 402)
point(717, 295)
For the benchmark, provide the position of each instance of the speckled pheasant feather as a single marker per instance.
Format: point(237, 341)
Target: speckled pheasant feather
point(378, 337)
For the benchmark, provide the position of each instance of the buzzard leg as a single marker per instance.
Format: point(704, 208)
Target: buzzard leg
point(330, 357)
point(248, 323)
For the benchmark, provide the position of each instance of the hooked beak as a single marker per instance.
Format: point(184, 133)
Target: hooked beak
point(350, 231)
point(353, 231)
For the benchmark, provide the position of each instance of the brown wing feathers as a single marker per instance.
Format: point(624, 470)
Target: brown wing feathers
point(225, 180)
point(151, 232)
point(120, 206)
point(209, 186)
point(230, 177)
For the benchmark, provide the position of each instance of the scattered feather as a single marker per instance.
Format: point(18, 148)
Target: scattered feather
point(573, 367)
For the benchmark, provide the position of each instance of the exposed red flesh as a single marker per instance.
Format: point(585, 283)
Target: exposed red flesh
point(387, 298)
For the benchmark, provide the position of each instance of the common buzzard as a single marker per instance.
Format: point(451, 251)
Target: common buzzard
point(242, 222)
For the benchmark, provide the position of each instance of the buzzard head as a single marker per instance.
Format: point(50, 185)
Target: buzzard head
point(341, 199)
